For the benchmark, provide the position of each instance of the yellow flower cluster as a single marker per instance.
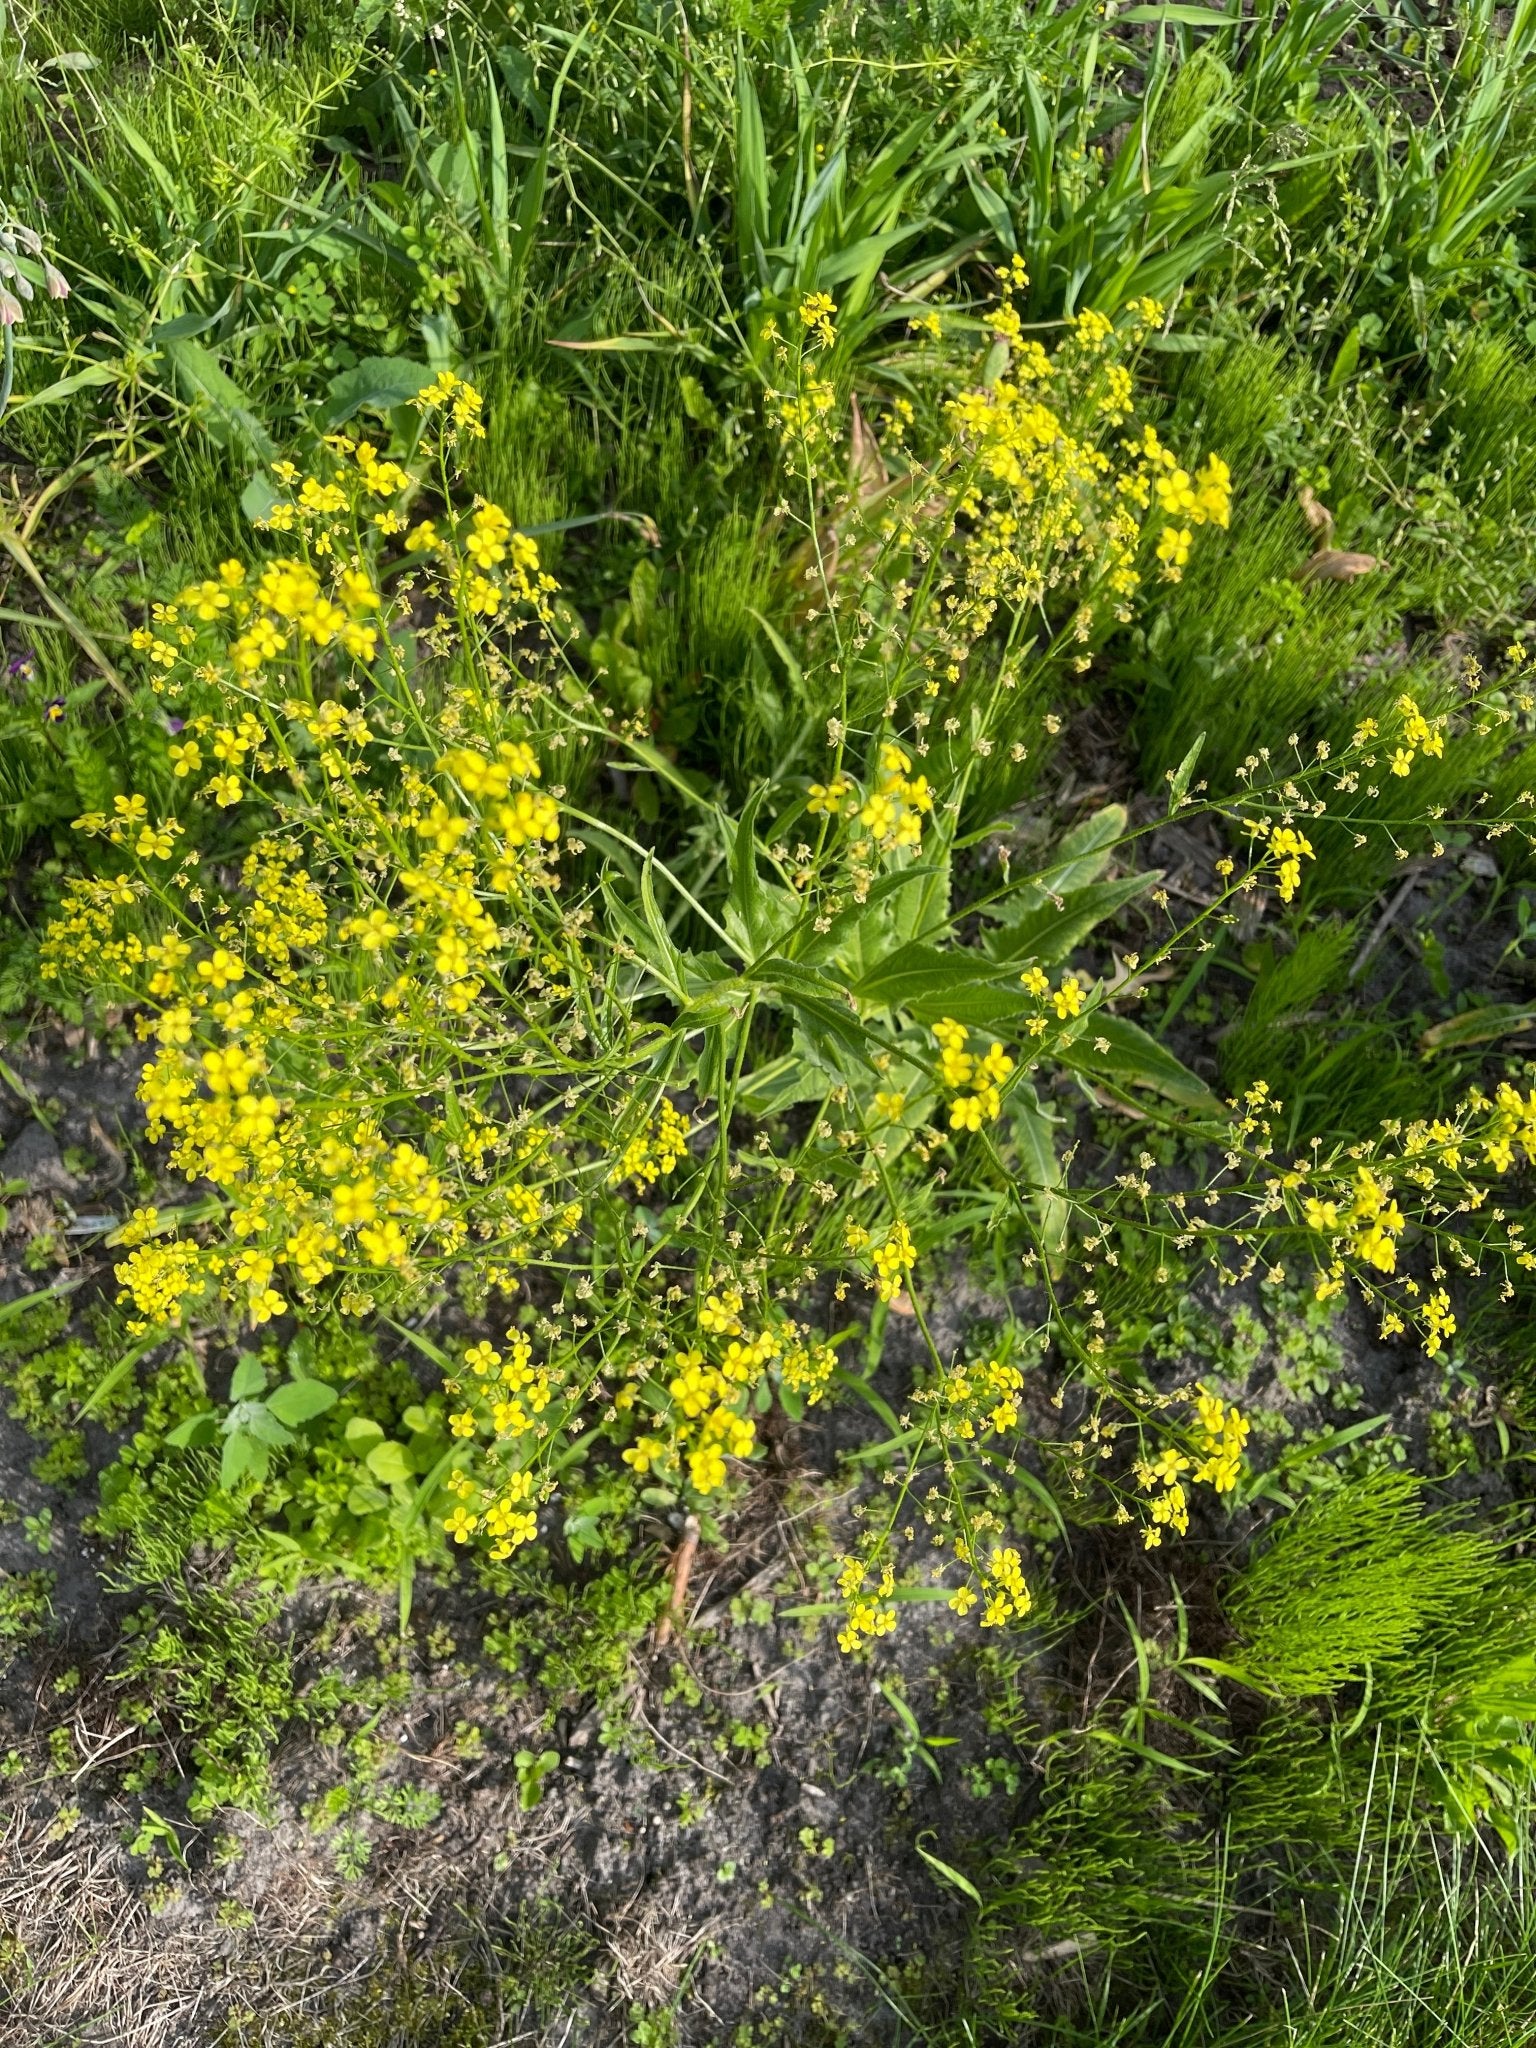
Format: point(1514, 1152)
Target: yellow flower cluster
point(244, 984)
point(1066, 999)
point(1359, 1212)
point(1049, 506)
point(894, 1261)
point(1286, 848)
point(1439, 1323)
point(1007, 1596)
point(506, 1414)
point(975, 1082)
point(711, 1386)
point(1511, 1126)
point(969, 1398)
point(867, 1598)
point(1220, 1433)
point(1417, 734)
point(458, 404)
point(804, 415)
point(709, 1423)
point(894, 810)
point(1370, 1224)
point(1186, 501)
point(655, 1151)
point(1004, 1594)
point(817, 316)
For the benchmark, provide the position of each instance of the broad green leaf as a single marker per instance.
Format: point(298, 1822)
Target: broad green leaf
point(778, 1083)
point(301, 1400)
point(194, 1430)
point(379, 382)
point(248, 1378)
point(229, 412)
point(256, 1419)
point(929, 980)
point(242, 1455)
point(95, 376)
point(994, 209)
point(647, 934)
point(388, 1463)
point(757, 913)
point(780, 647)
point(1132, 1057)
point(186, 325)
point(1081, 857)
point(258, 497)
point(1177, 10)
point(751, 180)
point(820, 1007)
point(1049, 934)
point(614, 344)
point(862, 933)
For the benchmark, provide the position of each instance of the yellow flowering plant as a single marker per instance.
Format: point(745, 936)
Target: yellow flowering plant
point(424, 1018)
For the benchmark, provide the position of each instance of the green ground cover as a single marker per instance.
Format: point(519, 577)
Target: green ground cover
point(766, 814)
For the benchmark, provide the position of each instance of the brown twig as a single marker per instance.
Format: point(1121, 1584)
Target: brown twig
point(682, 1568)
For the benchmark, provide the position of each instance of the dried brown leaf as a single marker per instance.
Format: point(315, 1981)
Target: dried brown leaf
point(1316, 514)
point(1337, 565)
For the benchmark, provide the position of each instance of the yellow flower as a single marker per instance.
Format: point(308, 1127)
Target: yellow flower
point(828, 796)
point(817, 310)
point(354, 1201)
